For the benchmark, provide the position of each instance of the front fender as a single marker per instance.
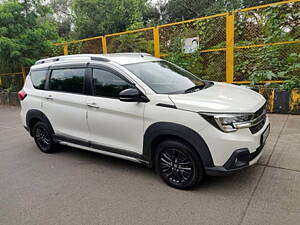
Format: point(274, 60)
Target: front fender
point(159, 129)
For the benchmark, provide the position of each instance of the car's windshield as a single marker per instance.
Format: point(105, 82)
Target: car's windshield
point(164, 77)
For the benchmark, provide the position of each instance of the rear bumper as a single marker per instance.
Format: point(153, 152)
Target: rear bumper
point(239, 160)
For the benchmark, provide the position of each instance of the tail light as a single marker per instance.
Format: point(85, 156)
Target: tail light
point(22, 95)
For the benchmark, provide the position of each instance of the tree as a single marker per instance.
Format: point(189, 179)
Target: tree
point(99, 17)
point(25, 33)
point(63, 16)
point(176, 10)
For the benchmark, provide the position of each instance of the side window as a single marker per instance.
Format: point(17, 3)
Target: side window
point(38, 79)
point(107, 84)
point(67, 80)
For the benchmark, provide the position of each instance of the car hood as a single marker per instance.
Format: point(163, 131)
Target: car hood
point(220, 98)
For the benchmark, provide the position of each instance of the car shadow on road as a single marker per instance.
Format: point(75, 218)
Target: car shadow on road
point(231, 185)
point(103, 160)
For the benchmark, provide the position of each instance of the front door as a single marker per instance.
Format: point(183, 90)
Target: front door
point(114, 125)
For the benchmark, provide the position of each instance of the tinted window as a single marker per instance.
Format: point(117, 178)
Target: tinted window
point(38, 79)
point(67, 80)
point(107, 84)
point(164, 77)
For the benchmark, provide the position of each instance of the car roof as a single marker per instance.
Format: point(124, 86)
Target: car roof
point(120, 58)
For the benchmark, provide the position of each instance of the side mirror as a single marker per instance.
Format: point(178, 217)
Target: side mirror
point(132, 95)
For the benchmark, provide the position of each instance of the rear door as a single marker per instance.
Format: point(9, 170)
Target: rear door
point(65, 102)
point(114, 125)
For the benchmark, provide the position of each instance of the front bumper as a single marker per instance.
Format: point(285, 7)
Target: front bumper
point(26, 128)
point(239, 160)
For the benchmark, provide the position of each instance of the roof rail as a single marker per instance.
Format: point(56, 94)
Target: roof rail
point(47, 60)
point(96, 58)
point(72, 57)
point(142, 54)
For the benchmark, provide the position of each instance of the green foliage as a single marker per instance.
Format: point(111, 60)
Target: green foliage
point(63, 16)
point(177, 10)
point(189, 62)
point(173, 47)
point(11, 83)
point(292, 67)
point(267, 25)
point(132, 42)
point(27, 28)
point(25, 33)
point(99, 17)
point(12, 88)
point(264, 62)
point(294, 82)
point(211, 34)
point(258, 76)
point(290, 71)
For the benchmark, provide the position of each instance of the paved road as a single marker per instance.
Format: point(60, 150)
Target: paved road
point(79, 187)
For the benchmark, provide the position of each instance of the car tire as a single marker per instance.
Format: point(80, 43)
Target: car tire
point(43, 138)
point(178, 164)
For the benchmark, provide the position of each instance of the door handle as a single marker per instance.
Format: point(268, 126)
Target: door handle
point(49, 97)
point(93, 105)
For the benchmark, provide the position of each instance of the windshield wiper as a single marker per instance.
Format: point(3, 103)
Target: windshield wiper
point(194, 88)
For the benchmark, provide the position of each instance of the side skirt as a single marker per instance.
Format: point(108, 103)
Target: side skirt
point(90, 146)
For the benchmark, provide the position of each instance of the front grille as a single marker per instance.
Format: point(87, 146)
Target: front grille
point(258, 126)
point(261, 112)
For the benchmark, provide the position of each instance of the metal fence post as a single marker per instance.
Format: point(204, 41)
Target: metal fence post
point(104, 46)
point(23, 73)
point(66, 49)
point(229, 47)
point(156, 42)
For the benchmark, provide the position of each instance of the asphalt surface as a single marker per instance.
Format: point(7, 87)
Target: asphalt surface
point(80, 187)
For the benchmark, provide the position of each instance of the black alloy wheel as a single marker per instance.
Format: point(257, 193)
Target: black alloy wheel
point(43, 138)
point(178, 164)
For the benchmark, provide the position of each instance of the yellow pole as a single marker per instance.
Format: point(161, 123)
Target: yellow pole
point(229, 47)
point(104, 46)
point(0, 82)
point(23, 73)
point(66, 49)
point(156, 42)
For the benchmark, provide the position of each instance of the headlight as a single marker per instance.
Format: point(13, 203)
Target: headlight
point(229, 122)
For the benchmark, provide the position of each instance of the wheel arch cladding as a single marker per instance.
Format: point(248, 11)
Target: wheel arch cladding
point(34, 116)
point(160, 129)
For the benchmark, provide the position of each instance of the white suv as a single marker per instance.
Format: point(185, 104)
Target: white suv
point(142, 108)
